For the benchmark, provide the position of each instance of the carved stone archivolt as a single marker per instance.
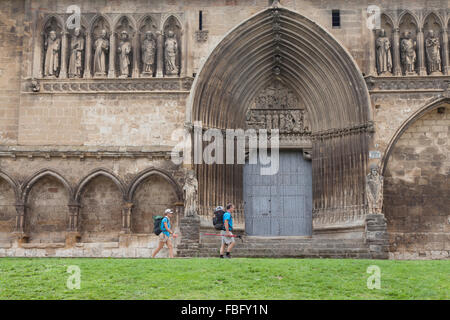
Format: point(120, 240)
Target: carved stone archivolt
point(333, 99)
point(110, 46)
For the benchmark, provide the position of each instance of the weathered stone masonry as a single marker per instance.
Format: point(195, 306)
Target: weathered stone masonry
point(87, 126)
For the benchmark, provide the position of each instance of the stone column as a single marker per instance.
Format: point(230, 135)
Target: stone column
point(184, 52)
point(63, 72)
point(376, 236)
point(38, 60)
point(87, 57)
point(136, 55)
point(20, 210)
point(372, 53)
point(159, 55)
point(112, 55)
point(190, 237)
point(421, 53)
point(126, 217)
point(396, 58)
point(445, 58)
point(73, 235)
point(74, 211)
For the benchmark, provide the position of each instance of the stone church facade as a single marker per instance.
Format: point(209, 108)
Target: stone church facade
point(96, 95)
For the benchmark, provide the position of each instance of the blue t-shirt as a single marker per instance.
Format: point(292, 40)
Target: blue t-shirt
point(163, 229)
point(227, 216)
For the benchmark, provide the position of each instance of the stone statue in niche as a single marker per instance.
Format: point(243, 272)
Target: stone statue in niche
point(384, 56)
point(171, 54)
point(433, 49)
point(76, 55)
point(124, 50)
point(101, 49)
point(148, 54)
point(374, 191)
point(190, 190)
point(52, 47)
point(408, 50)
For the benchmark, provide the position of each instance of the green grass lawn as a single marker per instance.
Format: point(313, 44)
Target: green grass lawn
point(46, 278)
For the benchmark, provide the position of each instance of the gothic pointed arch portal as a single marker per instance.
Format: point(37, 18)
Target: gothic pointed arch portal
point(280, 44)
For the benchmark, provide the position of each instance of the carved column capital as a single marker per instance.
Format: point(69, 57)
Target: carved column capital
point(20, 215)
point(126, 216)
point(74, 212)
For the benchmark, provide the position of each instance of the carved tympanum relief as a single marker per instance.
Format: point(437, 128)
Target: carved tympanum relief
point(277, 107)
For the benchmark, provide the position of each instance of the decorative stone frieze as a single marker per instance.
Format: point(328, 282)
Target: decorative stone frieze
point(108, 85)
point(407, 84)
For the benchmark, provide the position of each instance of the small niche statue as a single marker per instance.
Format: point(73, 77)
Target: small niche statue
point(433, 49)
point(384, 56)
point(148, 54)
point(374, 191)
point(408, 49)
point(76, 55)
point(171, 54)
point(53, 47)
point(124, 50)
point(101, 49)
point(190, 190)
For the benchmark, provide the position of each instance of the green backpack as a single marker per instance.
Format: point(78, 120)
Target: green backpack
point(157, 224)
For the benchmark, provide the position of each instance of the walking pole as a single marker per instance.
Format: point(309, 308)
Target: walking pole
point(219, 235)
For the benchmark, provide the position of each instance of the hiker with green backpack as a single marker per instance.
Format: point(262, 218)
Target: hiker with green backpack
point(162, 228)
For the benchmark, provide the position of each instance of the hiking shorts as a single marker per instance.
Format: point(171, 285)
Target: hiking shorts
point(163, 237)
point(226, 240)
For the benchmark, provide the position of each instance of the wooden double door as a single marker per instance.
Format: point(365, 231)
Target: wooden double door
point(279, 204)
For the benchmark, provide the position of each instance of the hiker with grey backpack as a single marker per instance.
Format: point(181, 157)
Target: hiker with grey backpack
point(162, 228)
point(224, 221)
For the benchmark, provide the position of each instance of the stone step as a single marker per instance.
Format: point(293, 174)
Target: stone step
point(290, 253)
point(291, 250)
point(281, 240)
point(283, 249)
point(289, 244)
